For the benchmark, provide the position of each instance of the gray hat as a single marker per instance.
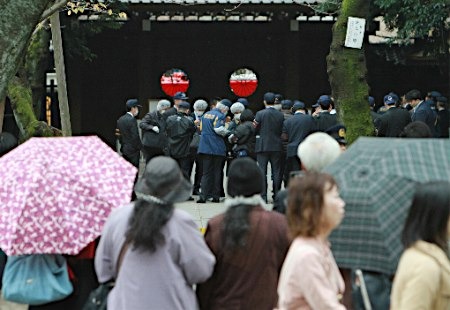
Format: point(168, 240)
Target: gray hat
point(163, 179)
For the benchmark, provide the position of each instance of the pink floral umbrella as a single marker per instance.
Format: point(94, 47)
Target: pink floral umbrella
point(56, 193)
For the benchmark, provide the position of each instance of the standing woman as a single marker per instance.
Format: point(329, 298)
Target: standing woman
point(422, 280)
point(164, 253)
point(249, 243)
point(310, 278)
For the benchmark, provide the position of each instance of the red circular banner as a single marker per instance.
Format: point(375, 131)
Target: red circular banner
point(243, 82)
point(174, 80)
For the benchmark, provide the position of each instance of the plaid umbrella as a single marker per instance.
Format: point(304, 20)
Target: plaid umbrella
point(56, 193)
point(377, 178)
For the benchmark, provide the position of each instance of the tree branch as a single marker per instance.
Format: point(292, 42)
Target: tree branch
point(55, 7)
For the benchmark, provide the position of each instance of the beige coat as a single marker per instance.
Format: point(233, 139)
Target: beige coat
point(422, 280)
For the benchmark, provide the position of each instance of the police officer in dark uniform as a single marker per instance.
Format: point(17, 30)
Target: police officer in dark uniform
point(324, 119)
point(129, 134)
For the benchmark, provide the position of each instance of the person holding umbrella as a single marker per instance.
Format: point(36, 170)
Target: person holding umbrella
point(164, 253)
point(310, 278)
point(422, 280)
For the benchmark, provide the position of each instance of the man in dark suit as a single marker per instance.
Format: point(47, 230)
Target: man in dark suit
point(421, 111)
point(392, 122)
point(295, 129)
point(324, 119)
point(129, 134)
point(269, 125)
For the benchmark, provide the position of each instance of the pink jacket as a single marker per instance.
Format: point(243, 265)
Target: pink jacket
point(310, 278)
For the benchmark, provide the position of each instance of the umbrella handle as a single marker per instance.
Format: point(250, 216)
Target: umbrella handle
point(365, 295)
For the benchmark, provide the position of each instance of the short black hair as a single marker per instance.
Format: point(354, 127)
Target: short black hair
point(413, 94)
point(428, 216)
point(416, 129)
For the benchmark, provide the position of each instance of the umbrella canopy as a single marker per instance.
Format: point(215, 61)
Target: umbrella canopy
point(377, 178)
point(56, 193)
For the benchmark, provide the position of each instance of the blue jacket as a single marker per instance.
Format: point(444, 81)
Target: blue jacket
point(212, 143)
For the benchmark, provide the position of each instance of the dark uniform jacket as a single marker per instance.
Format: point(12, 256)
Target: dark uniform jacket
point(424, 113)
point(392, 122)
point(149, 137)
point(325, 120)
point(129, 135)
point(297, 128)
point(268, 131)
point(212, 143)
point(246, 139)
point(180, 129)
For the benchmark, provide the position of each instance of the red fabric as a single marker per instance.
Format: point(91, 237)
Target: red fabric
point(87, 253)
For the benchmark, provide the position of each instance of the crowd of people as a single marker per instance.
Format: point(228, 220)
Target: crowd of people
point(249, 257)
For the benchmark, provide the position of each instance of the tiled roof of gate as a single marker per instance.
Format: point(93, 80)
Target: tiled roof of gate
point(223, 1)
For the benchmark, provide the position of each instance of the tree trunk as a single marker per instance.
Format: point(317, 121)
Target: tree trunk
point(347, 74)
point(29, 126)
point(60, 75)
point(18, 20)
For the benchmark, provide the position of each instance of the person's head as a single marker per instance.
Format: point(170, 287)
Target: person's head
point(245, 178)
point(428, 217)
point(132, 106)
point(413, 97)
point(433, 95)
point(314, 205)
point(245, 184)
point(390, 100)
point(416, 129)
point(179, 97)
point(161, 185)
point(200, 106)
point(269, 99)
point(244, 101)
point(338, 132)
point(184, 107)
point(298, 106)
point(325, 102)
point(371, 102)
point(286, 104)
point(237, 108)
point(442, 103)
point(317, 151)
point(162, 105)
point(223, 106)
point(247, 116)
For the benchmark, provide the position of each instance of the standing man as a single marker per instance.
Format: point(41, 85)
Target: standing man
point(421, 111)
point(295, 130)
point(269, 124)
point(180, 129)
point(392, 122)
point(212, 150)
point(129, 134)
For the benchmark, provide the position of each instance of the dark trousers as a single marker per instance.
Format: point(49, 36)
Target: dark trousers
point(274, 158)
point(196, 158)
point(292, 164)
point(150, 152)
point(212, 179)
point(133, 158)
point(185, 166)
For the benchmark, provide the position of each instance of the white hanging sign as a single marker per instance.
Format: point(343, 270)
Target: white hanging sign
point(355, 32)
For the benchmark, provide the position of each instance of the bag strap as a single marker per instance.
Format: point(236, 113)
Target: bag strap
point(121, 255)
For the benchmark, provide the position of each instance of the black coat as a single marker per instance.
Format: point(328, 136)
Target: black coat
point(391, 123)
point(246, 139)
point(269, 126)
point(129, 135)
point(297, 128)
point(325, 120)
point(149, 137)
point(180, 128)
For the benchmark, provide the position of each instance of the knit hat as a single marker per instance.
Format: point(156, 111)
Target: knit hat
point(245, 178)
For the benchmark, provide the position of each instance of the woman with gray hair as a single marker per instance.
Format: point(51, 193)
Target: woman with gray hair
point(153, 127)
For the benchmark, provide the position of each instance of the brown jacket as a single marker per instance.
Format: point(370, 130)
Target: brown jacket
point(246, 278)
point(422, 280)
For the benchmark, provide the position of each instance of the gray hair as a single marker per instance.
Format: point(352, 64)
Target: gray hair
point(237, 107)
point(200, 105)
point(163, 104)
point(317, 151)
point(221, 106)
